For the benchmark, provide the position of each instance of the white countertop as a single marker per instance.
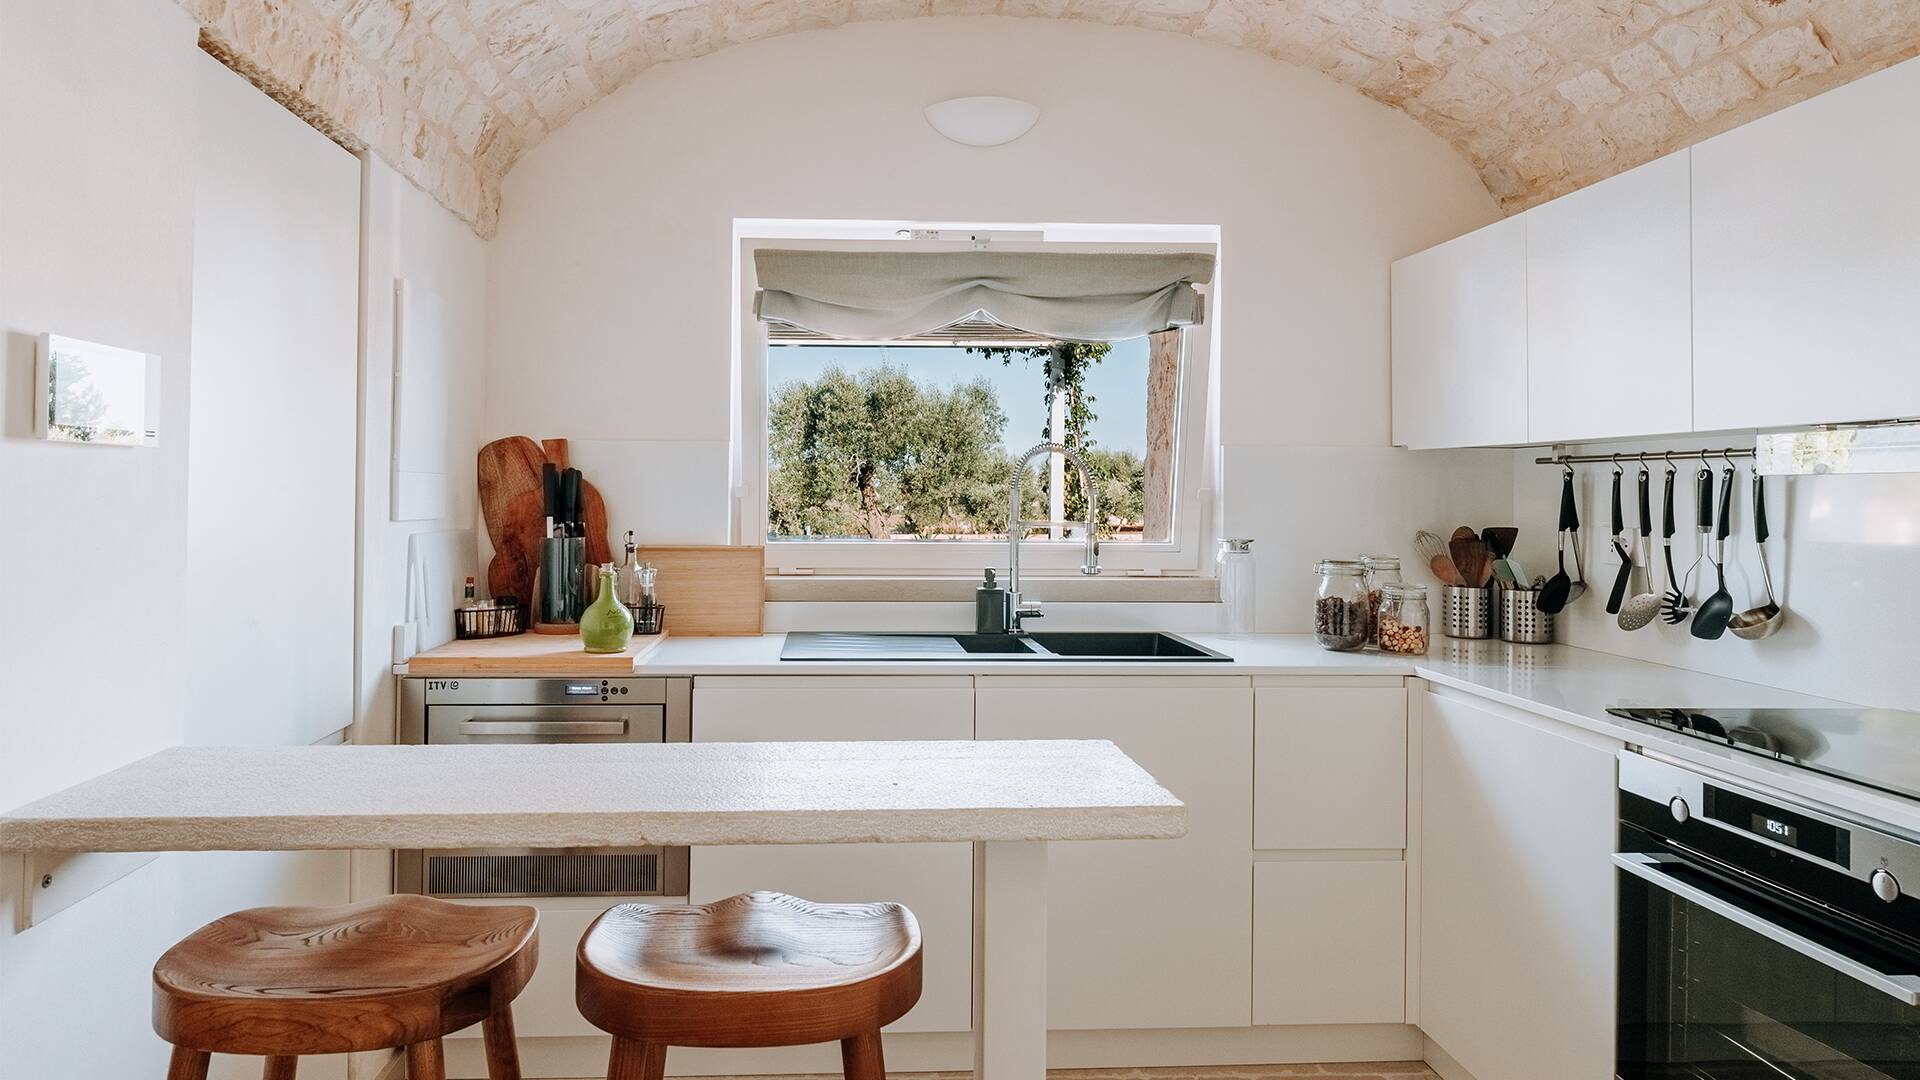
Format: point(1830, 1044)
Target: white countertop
point(343, 797)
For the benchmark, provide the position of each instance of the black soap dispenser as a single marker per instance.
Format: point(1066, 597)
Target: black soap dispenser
point(989, 606)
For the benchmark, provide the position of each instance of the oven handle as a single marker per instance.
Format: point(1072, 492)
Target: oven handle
point(1902, 988)
point(483, 728)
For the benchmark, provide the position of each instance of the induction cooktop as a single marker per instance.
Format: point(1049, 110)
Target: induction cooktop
point(1876, 747)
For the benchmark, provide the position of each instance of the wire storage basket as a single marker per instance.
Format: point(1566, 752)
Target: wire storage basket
point(489, 620)
point(648, 618)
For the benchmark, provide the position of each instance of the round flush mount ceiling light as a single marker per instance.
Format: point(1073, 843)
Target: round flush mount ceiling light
point(983, 121)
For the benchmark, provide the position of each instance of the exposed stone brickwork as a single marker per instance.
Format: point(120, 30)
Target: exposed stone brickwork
point(1542, 96)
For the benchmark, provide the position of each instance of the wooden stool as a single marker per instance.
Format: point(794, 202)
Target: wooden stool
point(401, 971)
point(764, 969)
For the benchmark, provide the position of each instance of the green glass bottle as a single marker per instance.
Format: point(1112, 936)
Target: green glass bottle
point(606, 626)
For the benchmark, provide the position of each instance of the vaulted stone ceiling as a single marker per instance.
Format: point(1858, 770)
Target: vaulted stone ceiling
point(1542, 96)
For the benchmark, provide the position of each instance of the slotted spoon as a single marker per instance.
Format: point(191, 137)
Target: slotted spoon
point(1642, 607)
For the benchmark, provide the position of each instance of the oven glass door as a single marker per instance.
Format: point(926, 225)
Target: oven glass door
point(1725, 979)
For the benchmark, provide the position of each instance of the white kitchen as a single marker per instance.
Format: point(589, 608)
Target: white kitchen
point(1121, 540)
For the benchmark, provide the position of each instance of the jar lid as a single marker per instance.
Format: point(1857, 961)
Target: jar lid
point(1381, 562)
point(1404, 590)
point(1340, 566)
point(1234, 544)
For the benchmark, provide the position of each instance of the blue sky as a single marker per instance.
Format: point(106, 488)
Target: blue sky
point(1118, 384)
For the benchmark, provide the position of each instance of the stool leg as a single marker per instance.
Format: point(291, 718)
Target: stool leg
point(861, 1057)
point(424, 1061)
point(635, 1060)
point(188, 1064)
point(280, 1068)
point(503, 1055)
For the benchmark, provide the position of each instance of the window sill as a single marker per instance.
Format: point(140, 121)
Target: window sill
point(1106, 588)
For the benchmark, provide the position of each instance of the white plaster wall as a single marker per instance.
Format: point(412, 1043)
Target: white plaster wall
point(1845, 551)
point(96, 241)
point(609, 282)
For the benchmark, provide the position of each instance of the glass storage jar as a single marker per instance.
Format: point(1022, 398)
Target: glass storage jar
point(1401, 619)
point(1382, 570)
point(1340, 605)
point(1236, 586)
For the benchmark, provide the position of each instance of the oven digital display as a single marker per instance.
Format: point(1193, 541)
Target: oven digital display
point(583, 689)
point(1780, 832)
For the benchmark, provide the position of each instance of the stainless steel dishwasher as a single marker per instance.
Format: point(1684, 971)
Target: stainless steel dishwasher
point(495, 712)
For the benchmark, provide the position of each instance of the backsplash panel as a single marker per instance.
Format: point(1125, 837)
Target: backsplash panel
point(1845, 553)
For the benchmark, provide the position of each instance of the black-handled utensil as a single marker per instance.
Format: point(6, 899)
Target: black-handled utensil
point(1618, 595)
point(1761, 620)
point(1643, 607)
point(550, 488)
point(1557, 591)
point(1674, 605)
point(1717, 610)
point(570, 501)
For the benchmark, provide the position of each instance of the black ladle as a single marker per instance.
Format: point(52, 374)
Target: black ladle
point(1710, 622)
point(1553, 595)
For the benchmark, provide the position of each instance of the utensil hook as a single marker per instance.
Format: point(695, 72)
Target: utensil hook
point(1617, 470)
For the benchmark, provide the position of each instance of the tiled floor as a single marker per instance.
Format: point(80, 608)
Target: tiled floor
point(1353, 1070)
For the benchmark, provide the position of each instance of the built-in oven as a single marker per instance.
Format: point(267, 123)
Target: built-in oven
point(509, 711)
point(1761, 936)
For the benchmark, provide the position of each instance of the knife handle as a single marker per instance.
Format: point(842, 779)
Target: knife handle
point(1726, 505)
point(1666, 507)
point(1703, 490)
point(1645, 496)
point(1759, 508)
point(1619, 519)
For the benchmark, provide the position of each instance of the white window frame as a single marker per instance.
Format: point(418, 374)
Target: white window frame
point(1196, 440)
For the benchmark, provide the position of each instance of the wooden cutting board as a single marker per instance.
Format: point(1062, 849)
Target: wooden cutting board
point(529, 654)
point(715, 591)
point(513, 505)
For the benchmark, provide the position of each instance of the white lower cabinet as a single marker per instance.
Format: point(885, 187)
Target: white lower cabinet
point(1517, 921)
point(1147, 933)
point(935, 881)
point(1330, 765)
point(1329, 942)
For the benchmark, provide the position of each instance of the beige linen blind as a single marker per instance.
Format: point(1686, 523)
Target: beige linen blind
point(879, 295)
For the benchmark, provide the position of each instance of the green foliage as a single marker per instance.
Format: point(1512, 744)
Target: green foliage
point(1067, 364)
point(875, 454)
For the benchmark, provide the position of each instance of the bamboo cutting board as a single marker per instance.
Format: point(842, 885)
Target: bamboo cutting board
point(529, 654)
point(711, 591)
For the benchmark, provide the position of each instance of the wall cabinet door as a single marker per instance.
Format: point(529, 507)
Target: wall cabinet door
point(1147, 933)
point(1807, 261)
point(1329, 942)
point(935, 881)
point(1460, 340)
point(1610, 309)
point(1329, 768)
point(1517, 937)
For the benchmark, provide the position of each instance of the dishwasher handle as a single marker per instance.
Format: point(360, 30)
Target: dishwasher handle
point(498, 728)
point(1902, 988)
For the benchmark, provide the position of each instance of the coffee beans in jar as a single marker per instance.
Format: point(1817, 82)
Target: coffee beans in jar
point(1340, 613)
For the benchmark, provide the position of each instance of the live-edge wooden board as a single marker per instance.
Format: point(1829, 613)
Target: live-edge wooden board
point(530, 654)
point(711, 591)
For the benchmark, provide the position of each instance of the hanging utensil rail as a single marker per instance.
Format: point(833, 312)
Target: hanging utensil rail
point(1643, 458)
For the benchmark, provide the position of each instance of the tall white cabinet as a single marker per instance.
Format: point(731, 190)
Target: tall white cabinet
point(1147, 934)
point(1460, 340)
point(1517, 941)
point(1807, 261)
point(1609, 314)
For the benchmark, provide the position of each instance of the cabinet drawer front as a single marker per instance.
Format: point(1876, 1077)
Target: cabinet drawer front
point(1329, 942)
point(1330, 769)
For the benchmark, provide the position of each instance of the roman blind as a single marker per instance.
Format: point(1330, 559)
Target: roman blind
point(879, 295)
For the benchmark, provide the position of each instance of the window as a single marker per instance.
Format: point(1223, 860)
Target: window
point(895, 454)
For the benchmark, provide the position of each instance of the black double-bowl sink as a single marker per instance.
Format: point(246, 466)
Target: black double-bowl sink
point(1040, 647)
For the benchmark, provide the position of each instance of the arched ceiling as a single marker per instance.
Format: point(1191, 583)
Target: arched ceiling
point(1541, 96)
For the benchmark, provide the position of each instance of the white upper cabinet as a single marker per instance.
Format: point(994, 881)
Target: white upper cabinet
point(1609, 309)
point(1806, 232)
point(1460, 340)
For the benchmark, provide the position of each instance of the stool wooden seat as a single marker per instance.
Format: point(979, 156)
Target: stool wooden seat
point(397, 972)
point(763, 969)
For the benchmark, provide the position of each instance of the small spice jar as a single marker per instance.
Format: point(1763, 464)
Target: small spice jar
point(1401, 619)
point(1340, 605)
point(1382, 570)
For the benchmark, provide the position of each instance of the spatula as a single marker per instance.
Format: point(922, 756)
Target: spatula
point(1553, 595)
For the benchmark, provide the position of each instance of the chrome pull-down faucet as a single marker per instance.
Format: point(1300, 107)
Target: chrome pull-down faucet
point(1016, 525)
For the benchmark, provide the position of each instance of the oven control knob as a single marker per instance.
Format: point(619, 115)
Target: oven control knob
point(1678, 807)
point(1885, 885)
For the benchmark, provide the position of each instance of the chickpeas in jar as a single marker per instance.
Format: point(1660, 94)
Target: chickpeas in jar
point(1401, 619)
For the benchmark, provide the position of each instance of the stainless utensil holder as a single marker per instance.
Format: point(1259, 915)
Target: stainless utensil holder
point(1521, 620)
point(1466, 612)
